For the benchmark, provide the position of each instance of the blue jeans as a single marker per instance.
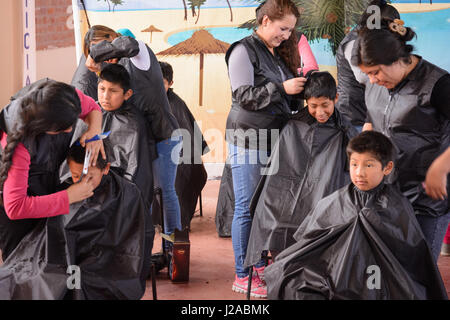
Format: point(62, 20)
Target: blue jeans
point(434, 229)
point(246, 172)
point(164, 175)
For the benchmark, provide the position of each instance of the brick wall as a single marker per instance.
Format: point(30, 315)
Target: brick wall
point(54, 24)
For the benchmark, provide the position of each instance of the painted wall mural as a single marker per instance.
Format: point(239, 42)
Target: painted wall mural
point(192, 35)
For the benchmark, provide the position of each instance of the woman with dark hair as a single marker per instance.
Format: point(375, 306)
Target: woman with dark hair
point(36, 131)
point(262, 70)
point(408, 101)
point(351, 80)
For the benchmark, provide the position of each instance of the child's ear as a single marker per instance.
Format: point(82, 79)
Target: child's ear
point(336, 99)
point(171, 84)
point(128, 94)
point(388, 168)
point(106, 169)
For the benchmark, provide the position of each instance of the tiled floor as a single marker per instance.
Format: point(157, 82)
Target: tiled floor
point(212, 260)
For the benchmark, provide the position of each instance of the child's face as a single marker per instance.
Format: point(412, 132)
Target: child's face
point(367, 172)
point(94, 173)
point(321, 108)
point(111, 95)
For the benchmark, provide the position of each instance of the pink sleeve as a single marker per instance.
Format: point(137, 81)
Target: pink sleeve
point(87, 104)
point(18, 205)
point(309, 62)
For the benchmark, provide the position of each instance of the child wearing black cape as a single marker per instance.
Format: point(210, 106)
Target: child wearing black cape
point(308, 163)
point(361, 242)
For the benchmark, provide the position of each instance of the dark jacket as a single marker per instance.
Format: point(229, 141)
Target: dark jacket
point(419, 131)
point(148, 87)
point(265, 105)
point(350, 239)
point(310, 162)
point(47, 153)
point(351, 101)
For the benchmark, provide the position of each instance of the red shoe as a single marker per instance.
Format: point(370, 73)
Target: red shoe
point(259, 272)
point(258, 289)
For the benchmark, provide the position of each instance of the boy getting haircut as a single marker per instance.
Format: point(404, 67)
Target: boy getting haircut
point(308, 163)
point(366, 238)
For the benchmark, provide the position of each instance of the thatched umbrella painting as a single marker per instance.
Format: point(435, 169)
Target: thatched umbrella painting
point(201, 42)
point(151, 29)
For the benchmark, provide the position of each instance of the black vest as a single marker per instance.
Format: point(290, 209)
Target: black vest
point(266, 69)
point(419, 131)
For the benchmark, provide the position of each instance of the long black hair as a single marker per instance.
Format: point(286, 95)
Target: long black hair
point(51, 106)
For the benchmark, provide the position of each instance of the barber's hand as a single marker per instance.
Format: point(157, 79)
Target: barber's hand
point(294, 85)
point(94, 146)
point(92, 65)
point(81, 190)
point(436, 181)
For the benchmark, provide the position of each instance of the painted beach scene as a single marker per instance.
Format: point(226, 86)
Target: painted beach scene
point(193, 36)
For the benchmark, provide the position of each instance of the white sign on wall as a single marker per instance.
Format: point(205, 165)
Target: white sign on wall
point(29, 42)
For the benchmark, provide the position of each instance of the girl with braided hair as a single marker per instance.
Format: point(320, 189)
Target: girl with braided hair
point(35, 132)
point(408, 100)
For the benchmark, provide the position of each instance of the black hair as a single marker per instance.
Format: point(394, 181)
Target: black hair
point(320, 84)
point(167, 71)
point(50, 106)
point(383, 46)
point(375, 143)
point(117, 74)
point(77, 153)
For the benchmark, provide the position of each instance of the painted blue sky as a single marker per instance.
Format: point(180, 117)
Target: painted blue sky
point(96, 5)
point(101, 5)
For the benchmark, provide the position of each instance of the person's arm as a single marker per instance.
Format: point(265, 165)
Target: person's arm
point(436, 179)
point(309, 61)
point(92, 115)
point(17, 203)
point(250, 97)
point(119, 48)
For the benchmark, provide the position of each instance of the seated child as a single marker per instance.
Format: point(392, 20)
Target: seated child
point(133, 145)
point(307, 163)
point(361, 242)
point(191, 170)
point(103, 235)
point(106, 234)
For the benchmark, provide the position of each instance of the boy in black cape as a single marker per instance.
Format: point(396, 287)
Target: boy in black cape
point(191, 173)
point(309, 163)
point(102, 239)
point(361, 242)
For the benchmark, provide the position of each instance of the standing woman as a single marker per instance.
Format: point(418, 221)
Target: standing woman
point(416, 116)
point(36, 131)
point(262, 69)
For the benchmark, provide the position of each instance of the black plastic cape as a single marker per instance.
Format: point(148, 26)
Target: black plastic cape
point(225, 203)
point(191, 173)
point(350, 239)
point(102, 235)
point(312, 163)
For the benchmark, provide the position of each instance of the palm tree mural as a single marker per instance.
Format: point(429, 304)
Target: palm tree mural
point(231, 11)
point(196, 4)
point(325, 19)
point(185, 10)
point(113, 2)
